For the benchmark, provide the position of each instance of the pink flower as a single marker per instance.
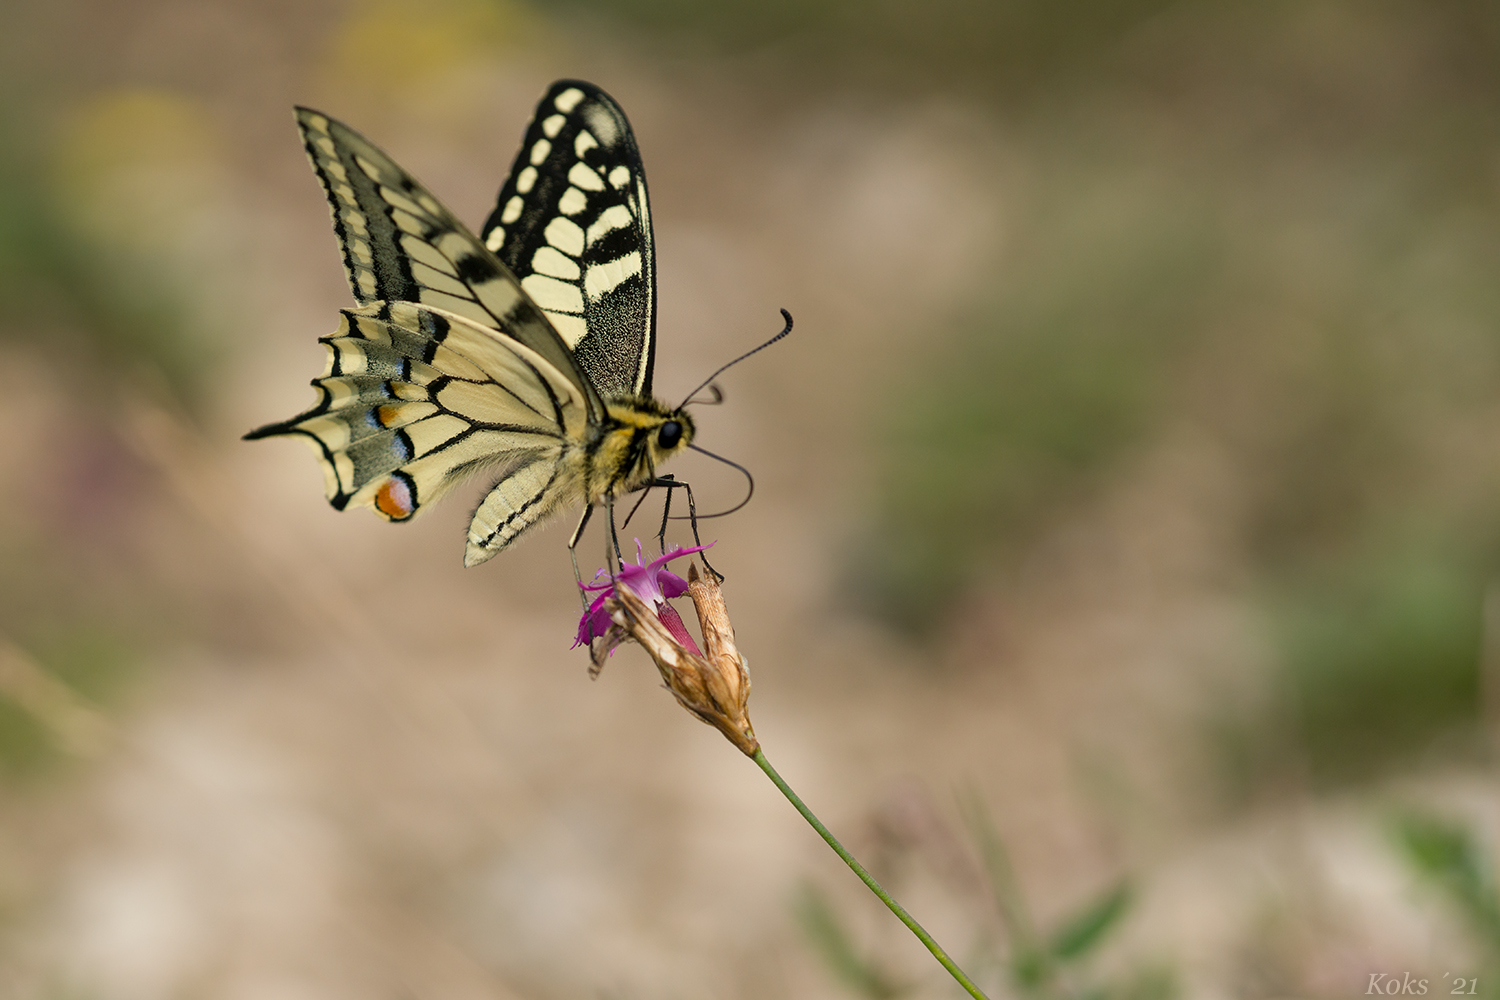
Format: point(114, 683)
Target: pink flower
point(652, 583)
point(714, 686)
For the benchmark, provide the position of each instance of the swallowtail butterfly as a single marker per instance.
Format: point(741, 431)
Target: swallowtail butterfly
point(525, 352)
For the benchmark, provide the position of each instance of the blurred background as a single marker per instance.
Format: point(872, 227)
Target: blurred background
point(1123, 582)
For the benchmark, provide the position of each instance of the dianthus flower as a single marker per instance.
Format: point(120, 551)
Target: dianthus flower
point(714, 686)
point(653, 583)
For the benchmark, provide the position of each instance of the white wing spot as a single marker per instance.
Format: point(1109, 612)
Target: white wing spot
point(586, 177)
point(572, 202)
point(568, 99)
point(612, 218)
point(559, 265)
point(399, 200)
point(553, 125)
point(552, 294)
point(603, 123)
point(525, 179)
point(420, 250)
point(495, 240)
point(619, 177)
point(408, 223)
point(370, 169)
point(512, 209)
point(601, 278)
point(451, 244)
point(571, 329)
point(438, 280)
point(584, 143)
point(540, 150)
point(566, 235)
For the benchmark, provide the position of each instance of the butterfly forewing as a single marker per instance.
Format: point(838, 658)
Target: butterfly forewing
point(401, 245)
point(414, 399)
point(573, 221)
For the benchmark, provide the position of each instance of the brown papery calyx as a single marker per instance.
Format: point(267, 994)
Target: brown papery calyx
point(715, 686)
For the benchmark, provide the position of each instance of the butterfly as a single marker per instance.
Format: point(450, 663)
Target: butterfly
point(525, 352)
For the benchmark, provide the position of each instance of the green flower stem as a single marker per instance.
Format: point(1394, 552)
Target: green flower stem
point(865, 877)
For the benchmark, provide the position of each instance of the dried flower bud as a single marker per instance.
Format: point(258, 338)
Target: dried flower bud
point(714, 686)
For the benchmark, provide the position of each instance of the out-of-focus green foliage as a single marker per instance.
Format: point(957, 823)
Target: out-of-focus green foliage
point(1047, 966)
point(1381, 660)
point(81, 668)
point(94, 660)
point(1055, 964)
point(1079, 934)
point(860, 975)
point(105, 311)
point(27, 748)
point(1041, 390)
point(1450, 856)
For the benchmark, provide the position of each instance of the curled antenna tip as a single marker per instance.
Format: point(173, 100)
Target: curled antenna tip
point(785, 330)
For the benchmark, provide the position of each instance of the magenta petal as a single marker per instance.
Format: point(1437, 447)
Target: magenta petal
point(667, 557)
point(652, 582)
point(673, 621)
point(642, 582)
point(595, 622)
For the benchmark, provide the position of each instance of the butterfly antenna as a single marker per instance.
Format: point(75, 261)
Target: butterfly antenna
point(788, 329)
point(714, 400)
point(744, 471)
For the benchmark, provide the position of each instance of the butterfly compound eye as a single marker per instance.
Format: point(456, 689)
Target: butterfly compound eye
point(669, 435)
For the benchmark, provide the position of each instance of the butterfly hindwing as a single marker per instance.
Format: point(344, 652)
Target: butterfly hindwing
point(415, 399)
point(574, 222)
point(401, 245)
point(530, 489)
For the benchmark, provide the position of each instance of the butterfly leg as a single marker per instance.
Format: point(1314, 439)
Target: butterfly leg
point(669, 483)
point(666, 512)
point(583, 521)
point(583, 597)
point(572, 553)
point(614, 536)
point(644, 492)
point(693, 520)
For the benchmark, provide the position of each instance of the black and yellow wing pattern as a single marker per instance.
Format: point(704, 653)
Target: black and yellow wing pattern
point(414, 399)
point(574, 221)
point(527, 354)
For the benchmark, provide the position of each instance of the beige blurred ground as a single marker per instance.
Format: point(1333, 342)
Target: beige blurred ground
point(346, 767)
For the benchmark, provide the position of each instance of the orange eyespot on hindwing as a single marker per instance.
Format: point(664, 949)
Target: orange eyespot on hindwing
point(395, 497)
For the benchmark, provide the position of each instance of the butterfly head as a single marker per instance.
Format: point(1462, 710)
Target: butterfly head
point(670, 432)
point(642, 434)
